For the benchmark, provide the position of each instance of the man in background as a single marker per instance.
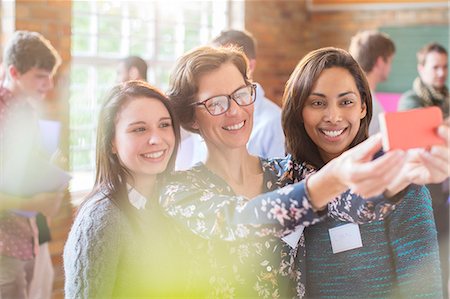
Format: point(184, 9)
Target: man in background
point(374, 51)
point(29, 62)
point(429, 89)
point(132, 68)
point(267, 137)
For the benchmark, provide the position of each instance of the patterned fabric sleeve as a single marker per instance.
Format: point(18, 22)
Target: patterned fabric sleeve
point(348, 206)
point(189, 200)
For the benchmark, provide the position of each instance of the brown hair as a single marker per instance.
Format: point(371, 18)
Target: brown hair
point(367, 46)
point(138, 63)
point(238, 38)
point(111, 176)
point(428, 48)
point(297, 90)
point(27, 49)
point(183, 86)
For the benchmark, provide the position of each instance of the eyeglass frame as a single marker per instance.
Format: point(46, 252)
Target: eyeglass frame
point(229, 97)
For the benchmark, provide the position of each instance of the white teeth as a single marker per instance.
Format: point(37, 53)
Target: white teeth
point(333, 133)
point(234, 127)
point(154, 155)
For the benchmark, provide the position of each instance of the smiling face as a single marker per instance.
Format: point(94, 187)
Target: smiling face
point(332, 112)
point(144, 138)
point(231, 129)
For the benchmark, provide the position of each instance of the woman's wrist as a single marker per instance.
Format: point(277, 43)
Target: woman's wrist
point(323, 186)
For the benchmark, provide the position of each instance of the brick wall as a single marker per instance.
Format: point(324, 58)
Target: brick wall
point(287, 30)
point(52, 18)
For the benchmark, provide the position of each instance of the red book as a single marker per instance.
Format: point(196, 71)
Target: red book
point(411, 129)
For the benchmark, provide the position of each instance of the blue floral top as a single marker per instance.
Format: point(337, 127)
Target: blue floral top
point(257, 263)
point(346, 207)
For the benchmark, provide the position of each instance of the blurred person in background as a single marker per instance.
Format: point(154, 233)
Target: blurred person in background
point(131, 68)
point(26, 270)
point(374, 51)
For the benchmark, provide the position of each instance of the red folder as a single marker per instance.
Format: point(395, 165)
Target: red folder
point(411, 129)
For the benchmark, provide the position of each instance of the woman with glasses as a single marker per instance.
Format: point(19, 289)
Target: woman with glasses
point(245, 245)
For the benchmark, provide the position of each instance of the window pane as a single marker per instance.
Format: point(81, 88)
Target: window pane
point(113, 8)
point(109, 44)
point(81, 23)
point(79, 7)
point(104, 32)
point(109, 26)
point(80, 44)
point(106, 76)
point(82, 160)
point(138, 46)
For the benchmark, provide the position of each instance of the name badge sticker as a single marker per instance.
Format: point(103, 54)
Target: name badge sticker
point(293, 238)
point(345, 237)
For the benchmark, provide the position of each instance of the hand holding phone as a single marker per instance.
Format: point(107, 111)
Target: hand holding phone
point(415, 128)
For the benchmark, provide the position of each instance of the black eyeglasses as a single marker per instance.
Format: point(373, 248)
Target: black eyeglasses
point(220, 104)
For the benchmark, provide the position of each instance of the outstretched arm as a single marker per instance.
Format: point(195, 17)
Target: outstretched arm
point(356, 168)
point(191, 202)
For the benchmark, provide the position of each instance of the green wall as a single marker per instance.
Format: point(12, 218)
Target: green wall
point(408, 40)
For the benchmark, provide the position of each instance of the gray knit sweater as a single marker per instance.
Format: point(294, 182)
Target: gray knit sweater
point(107, 257)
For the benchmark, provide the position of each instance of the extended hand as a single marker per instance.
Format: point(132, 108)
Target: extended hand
point(433, 166)
point(365, 176)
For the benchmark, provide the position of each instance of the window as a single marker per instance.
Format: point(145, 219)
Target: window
point(103, 32)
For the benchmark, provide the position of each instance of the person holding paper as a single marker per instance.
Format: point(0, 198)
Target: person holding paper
point(30, 62)
point(237, 229)
point(327, 111)
point(120, 244)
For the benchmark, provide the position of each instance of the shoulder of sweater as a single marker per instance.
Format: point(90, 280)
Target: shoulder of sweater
point(410, 94)
point(418, 193)
point(416, 199)
point(99, 213)
point(92, 242)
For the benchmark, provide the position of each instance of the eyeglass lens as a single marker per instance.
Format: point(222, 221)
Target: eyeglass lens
point(220, 104)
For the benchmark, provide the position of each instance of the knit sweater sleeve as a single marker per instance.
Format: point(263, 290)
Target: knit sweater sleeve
point(413, 240)
point(92, 251)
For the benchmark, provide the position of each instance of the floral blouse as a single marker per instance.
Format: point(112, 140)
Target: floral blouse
point(346, 207)
point(257, 262)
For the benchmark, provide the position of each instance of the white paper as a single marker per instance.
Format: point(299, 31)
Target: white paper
point(50, 132)
point(345, 237)
point(40, 176)
point(293, 238)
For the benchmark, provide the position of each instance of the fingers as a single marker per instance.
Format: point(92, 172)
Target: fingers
point(437, 165)
point(371, 178)
point(446, 121)
point(444, 132)
point(440, 153)
point(367, 149)
point(384, 166)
